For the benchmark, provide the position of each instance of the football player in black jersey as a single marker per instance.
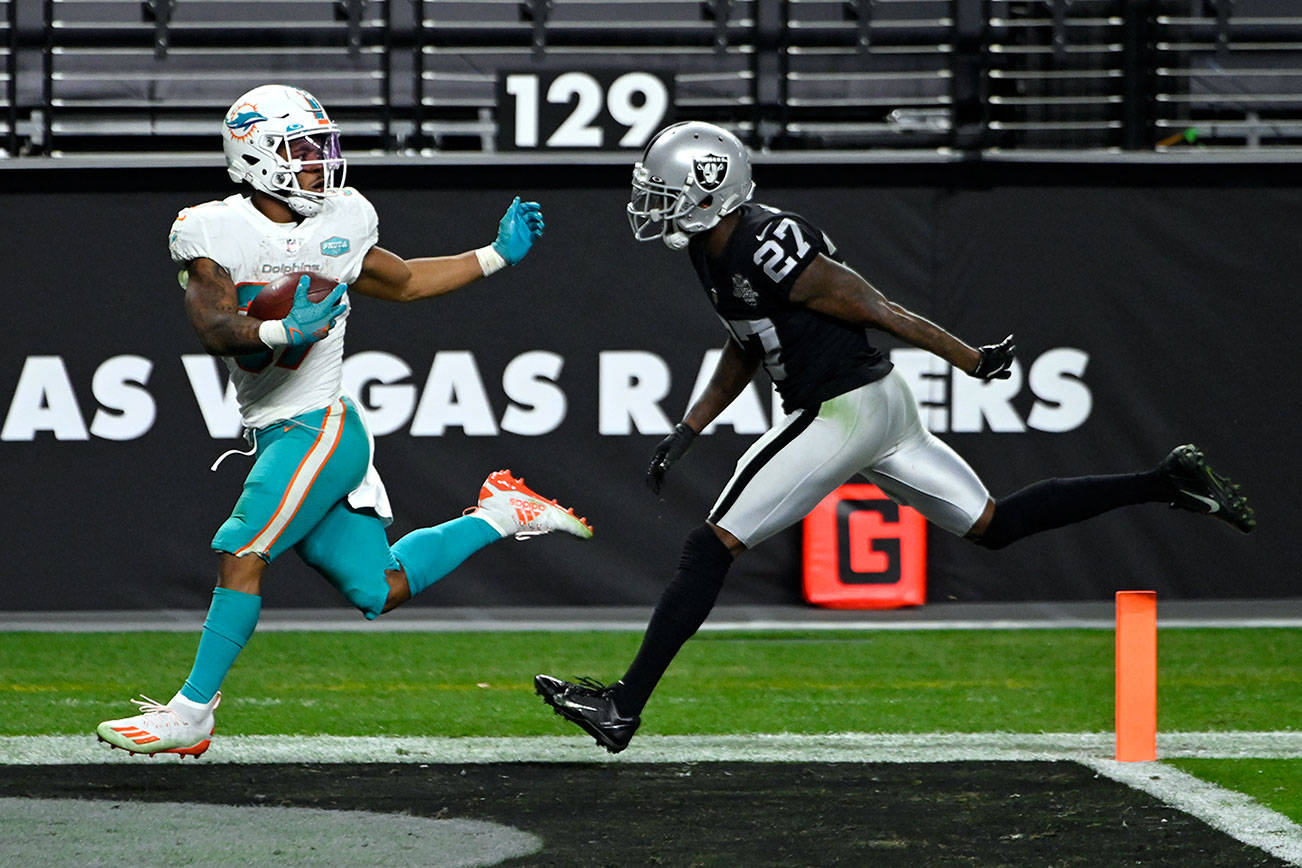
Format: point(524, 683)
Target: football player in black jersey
point(790, 304)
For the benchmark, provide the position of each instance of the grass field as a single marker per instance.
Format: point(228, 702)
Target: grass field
point(479, 684)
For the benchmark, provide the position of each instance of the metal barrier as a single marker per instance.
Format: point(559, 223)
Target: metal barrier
point(426, 76)
point(9, 75)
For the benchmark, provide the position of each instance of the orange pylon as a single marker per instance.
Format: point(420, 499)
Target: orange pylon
point(1136, 676)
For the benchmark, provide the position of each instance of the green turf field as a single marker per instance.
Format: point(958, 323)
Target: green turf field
point(477, 684)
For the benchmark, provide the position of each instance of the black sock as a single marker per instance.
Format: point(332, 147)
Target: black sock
point(1054, 503)
point(683, 607)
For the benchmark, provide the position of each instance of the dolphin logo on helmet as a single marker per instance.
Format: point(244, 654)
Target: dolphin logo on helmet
point(241, 120)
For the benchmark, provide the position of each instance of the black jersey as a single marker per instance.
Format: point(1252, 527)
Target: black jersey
point(811, 357)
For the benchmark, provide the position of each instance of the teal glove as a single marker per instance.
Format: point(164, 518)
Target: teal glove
point(516, 231)
point(308, 321)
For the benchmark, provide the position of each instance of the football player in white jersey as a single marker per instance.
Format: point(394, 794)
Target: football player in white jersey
point(790, 304)
point(312, 486)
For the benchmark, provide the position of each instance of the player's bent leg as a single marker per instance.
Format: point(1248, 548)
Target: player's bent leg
point(304, 467)
point(181, 727)
point(349, 547)
point(399, 589)
point(926, 474)
point(351, 550)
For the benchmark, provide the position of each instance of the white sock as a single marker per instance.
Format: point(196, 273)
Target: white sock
point(483, 515)
point(188, 709)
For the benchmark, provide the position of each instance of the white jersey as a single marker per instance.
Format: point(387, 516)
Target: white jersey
point(272, 386)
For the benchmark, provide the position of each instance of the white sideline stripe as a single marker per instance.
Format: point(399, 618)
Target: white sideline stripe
point(836, 747)
point(147, 624)
point(1233, 813)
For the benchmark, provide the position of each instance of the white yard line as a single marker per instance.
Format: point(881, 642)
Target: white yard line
point(1013, 616)
point(490, 625)
point(1233, 813)
point(838, 747)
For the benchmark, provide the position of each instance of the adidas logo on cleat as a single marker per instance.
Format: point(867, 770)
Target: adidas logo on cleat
point(527, 510)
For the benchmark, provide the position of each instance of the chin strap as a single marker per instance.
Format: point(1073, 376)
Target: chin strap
point(676, 240)
point(303, 206)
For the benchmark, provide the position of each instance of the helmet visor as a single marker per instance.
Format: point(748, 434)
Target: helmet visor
point(319, 156)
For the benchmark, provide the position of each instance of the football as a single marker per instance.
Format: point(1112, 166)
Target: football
point(276, 299)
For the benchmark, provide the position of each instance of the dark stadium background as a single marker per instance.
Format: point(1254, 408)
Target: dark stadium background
point(1114, 178)
point(1175, 282)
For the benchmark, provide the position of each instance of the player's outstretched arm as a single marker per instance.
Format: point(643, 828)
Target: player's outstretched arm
point(833, 289)
point(388, 276)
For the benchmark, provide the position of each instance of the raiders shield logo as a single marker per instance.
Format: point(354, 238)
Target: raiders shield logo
point(710, 171)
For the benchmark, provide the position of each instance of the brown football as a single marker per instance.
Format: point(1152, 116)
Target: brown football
point(276, 299)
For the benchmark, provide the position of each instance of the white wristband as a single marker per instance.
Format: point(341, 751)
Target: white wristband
point(489, 260)
point(272, 333)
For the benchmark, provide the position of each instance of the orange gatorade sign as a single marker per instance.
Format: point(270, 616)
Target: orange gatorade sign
point(864, 551)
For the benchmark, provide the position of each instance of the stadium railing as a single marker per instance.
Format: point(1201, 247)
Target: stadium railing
point(706, 47)
point(151, 76)
point(9, 77)
point(424, 77)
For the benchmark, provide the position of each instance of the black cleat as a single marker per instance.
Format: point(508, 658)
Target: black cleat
point(590, 705)
point(1200, 489)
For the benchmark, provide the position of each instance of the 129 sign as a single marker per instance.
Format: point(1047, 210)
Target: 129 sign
point(599, 110)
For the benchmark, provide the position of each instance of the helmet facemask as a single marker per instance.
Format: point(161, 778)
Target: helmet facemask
point(302, 151)
point(655, 207)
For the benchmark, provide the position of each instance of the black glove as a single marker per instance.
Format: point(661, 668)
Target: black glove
point(668, 451)
point(996, 359)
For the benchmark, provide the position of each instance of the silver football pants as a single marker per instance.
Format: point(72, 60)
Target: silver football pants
point(873, 430)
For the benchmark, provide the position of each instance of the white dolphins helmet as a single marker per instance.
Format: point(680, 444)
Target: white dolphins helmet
point(691, 175)
point(272, 133)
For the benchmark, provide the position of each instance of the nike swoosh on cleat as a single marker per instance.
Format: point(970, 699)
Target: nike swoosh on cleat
point(1212, 505)
point(570, 703)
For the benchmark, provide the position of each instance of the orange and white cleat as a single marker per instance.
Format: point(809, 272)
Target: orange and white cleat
point(515, 510)
point(182, 726)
